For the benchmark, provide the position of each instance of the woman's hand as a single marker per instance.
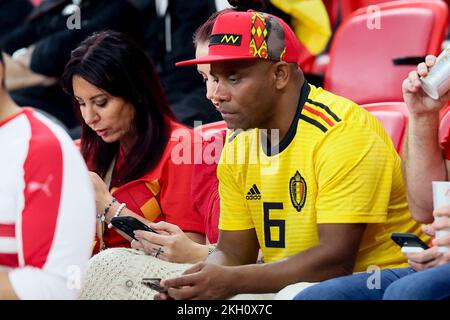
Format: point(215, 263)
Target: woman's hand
point(102, 196)
point(169, 243)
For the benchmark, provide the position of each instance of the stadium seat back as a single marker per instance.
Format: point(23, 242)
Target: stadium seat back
point(348, 7)
point(363, 52)
point(444, 125)
point(394, 118)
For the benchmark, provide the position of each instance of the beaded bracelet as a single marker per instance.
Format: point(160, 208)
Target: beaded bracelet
point(118, 211)
point(102, 216)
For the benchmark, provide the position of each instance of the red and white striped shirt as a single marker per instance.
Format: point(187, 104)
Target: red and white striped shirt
point(47, 208)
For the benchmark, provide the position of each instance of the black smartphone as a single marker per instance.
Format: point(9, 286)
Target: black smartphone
point(129, 224)
point(409, 240)
point(153, 283)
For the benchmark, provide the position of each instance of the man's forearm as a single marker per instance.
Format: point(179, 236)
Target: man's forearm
point(422, 163)
point(6, 290)
point(235, 248)
point(311, 265)
point(220, 257)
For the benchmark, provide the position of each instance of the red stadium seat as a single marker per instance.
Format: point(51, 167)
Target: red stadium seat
point(348, 7)
point(444, 110)
point(444, 125)
point(362, 55)
point(394, 117)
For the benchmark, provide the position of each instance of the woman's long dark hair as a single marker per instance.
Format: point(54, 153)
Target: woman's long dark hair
point(116, 64)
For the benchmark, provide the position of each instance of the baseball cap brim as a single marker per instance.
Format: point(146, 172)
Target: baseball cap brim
point(212, 58)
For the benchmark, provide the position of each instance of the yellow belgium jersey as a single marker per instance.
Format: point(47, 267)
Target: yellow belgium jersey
point(336, 164)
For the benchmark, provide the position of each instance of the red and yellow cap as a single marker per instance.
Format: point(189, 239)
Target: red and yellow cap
point(249, 35)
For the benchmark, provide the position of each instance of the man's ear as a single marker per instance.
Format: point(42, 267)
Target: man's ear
point(282, 74)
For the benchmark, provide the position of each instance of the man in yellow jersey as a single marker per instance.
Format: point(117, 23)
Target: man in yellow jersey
point(321, 201)
point(428, 277)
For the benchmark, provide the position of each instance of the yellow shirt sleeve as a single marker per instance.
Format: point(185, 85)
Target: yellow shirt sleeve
point(354, 168)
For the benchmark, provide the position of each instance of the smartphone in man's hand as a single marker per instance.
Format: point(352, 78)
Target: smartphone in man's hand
point(154, 283)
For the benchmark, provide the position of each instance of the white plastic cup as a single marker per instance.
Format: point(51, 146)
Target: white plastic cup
point(441, 198)
point(437, 81)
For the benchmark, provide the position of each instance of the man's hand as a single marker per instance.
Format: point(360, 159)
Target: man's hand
point(18, 75)
point(202, 281)
point(24, 55)
point(431, 257)
point(416, 99)
point(441, 222)
point(426, 259)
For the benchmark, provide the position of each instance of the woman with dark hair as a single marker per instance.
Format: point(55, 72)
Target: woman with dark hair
point(40, 47)
point(129, 139)
point(179, 250)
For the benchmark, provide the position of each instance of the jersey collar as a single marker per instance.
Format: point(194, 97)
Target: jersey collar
point(287, 139)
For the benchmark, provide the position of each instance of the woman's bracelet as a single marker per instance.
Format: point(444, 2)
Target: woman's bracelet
point(102, 216)
point(118, 211)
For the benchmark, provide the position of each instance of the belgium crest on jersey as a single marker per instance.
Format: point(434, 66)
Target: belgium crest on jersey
point(297, 190)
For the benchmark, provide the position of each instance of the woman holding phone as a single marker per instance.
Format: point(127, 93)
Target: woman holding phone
point(179, 251)
point(130, 139)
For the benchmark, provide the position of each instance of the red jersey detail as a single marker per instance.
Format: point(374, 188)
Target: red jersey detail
point(8, 231)
point(43, 182)
point(320, 114)
point(9, 260)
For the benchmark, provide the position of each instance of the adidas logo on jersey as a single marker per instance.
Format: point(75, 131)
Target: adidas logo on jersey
point(254, 193)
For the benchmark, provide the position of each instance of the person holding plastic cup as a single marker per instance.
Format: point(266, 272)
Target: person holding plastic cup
point(424, 161)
